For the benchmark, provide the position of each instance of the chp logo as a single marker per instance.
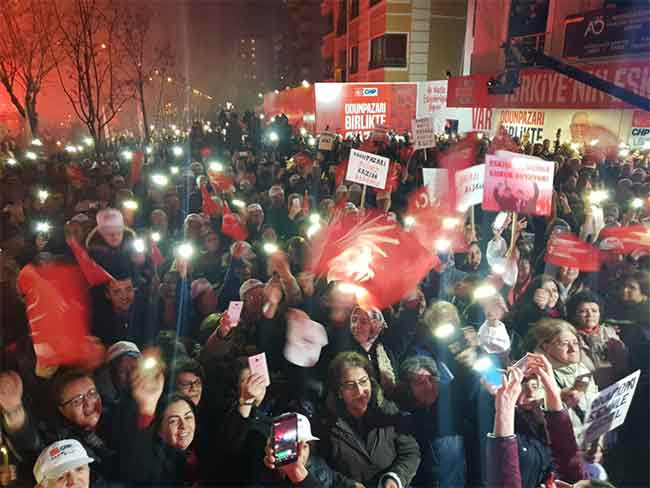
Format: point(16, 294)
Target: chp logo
point(366, 92)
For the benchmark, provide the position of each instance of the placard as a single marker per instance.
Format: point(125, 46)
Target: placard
point(424, 135)
point(609, 408)
point(436, 181)
point(518, 183)
point(367, 169)
point(326, 141)
point(469, 186)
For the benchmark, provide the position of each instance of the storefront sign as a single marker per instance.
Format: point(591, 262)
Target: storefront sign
point(608, 32)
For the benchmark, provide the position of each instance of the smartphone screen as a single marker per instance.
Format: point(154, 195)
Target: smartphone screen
point(257, 365)
point(493, 376)
point(285, 439)
point(234, 312)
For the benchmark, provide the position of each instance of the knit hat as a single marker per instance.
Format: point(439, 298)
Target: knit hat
point(121, 348)
point(110, 218)
point(248, 285)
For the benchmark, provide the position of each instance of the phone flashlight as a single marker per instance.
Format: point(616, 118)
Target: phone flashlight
point(238, 203)
point(155, 236)
point(138, 245)
point(482, 364)
point(130, 204)
point(598, 196)
point(313, 229)
point(637, 203)
point(12, 162)
point(42, 195)
point(314, 218)
point(185, 250)
point(443, 331)
point(43, 227)
point(178, 151)
point(273, 137)
point(409, 221)
point(216, 166)
point(127, 155)
point(270, 248)
point(174, 170)
point(160, 180)
point(149, 363)
point(443, 245)
point(449, 223)
point(484, 291)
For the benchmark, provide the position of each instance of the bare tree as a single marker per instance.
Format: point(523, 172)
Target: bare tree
point(93, 76)
point(27, 53)
point(144, 54)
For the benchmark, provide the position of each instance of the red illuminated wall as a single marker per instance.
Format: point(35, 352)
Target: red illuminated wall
point(296, 103)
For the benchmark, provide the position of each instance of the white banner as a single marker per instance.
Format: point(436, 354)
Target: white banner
point(367, 169)
point(609, 408)
point(326, 141)
point(469, 186)
point(436, 181)
point(424, 135)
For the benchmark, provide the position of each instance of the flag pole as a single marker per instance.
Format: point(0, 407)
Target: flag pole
point(513, 234)
point(363, 197)
point(472, 220)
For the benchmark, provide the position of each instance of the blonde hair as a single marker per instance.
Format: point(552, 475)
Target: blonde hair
point(438, 313)
point(545, 331)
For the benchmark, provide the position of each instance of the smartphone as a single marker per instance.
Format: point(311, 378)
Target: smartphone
point(582, 382)
point(257, 365)
point(234, 312)
point(493, 376)
point(522, 364)
point(285, 439)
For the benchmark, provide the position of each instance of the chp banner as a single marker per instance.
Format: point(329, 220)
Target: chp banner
point(608, 409)
point(353, 108)
point(326, 141)
point(424, 135)
point(469, 186)
point(518, 183)
point(367, 169)
point(640, 132)
point(436, 181)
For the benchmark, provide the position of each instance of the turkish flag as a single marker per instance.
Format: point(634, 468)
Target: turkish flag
point(458, 157)
point(625, 240)
point(405, 153)
point(95, 275)
point(434, 223)
point(58, 309)
point(373, 253)
point(209, 206)
point(566, 249)
point(392, 180)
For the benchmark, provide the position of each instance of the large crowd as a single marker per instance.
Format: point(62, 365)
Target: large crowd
point(389, 397)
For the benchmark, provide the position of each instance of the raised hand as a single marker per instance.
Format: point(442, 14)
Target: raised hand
point(539, 365)
point(11, 391)
point(147, 383)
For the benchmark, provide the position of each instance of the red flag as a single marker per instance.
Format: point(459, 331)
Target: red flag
point(156, 256)
point(76, 175)
point(58, 309)
point(136, 167)
point(95, 275)
point(306, 206)
point(392, 180)
point(206, 152)
point(565, 249)
point(405, 153)
point(340, 172)
point(220, 181)
point(231, 226)
point(433, 225)
point(458, 157)
point(503, 142)
point(625, 240)
point(209, 206)
point(366, 253)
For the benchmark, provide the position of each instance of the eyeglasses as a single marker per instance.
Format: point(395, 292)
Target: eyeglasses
point(350, 385)
point(566, 344)
point(190, 385)
point(79, 400)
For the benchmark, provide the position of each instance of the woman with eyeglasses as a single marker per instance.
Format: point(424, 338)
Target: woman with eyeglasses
point(558, 341)
point(364, 443)
point(79, 415)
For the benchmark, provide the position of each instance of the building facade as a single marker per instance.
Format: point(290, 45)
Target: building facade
point(392, 40)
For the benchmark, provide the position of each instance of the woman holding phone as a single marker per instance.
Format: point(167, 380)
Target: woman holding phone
point(364, 443)
point(559, 342)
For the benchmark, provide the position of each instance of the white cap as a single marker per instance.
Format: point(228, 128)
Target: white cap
point(121, 348)
point(305, 339)
point(60, 457)
point(304, 429)
point(247, 286)
point(198, 287)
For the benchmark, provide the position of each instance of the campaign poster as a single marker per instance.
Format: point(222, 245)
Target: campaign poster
point(367, 169)
point(432, 103)
point(518, 183)
point(469, 186)
point(608, 409)
point(436, 182)
point(326, 141)
point(350, 109)
point(424, 135)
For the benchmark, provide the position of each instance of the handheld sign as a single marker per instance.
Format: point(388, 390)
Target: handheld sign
point(609, 408)
point(367, 169)
point(518, 183)
point(424, 135)
point(326, 141)
point(469, 186)
point(436, 181)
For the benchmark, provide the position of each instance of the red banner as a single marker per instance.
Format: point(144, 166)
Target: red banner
point(468, 91)
point(565, 249)
point(352, 108)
